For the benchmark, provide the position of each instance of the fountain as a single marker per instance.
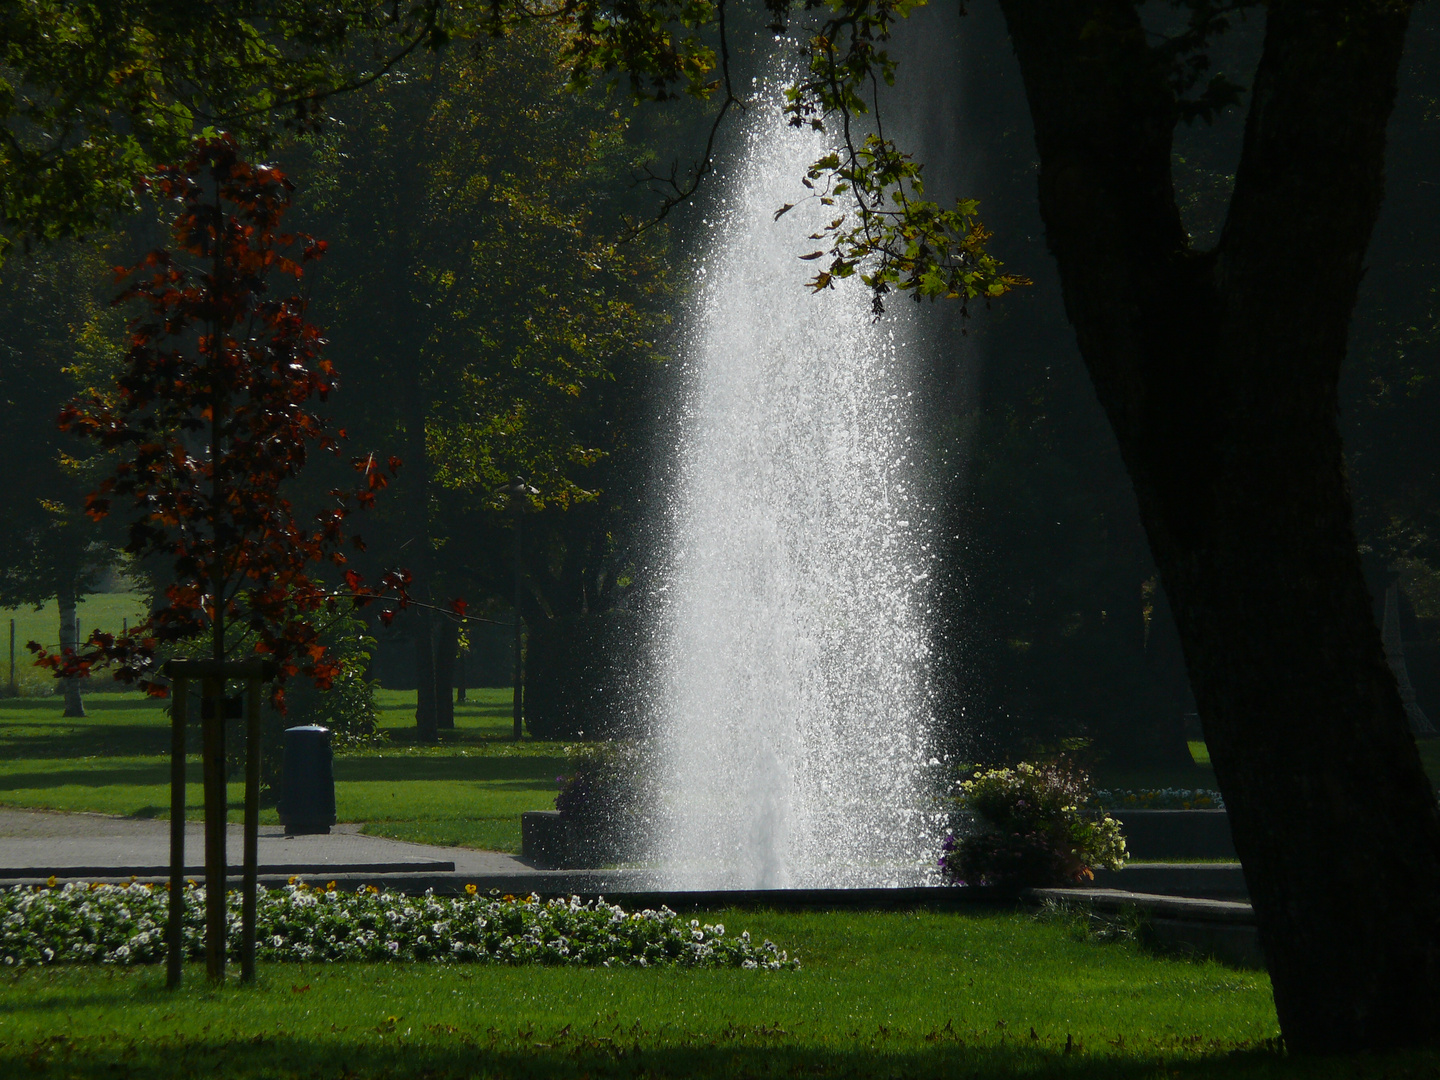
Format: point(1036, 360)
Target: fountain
point(793, 714)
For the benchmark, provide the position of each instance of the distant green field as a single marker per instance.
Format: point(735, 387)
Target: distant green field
point(101, 611)
point(470, 790)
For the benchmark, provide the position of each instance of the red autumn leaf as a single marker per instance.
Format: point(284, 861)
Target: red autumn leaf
point(218, 515)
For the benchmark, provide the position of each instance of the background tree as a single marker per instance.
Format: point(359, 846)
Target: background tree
point(1390, 388)
point(56, 336)
point(1054, 624)
point(97, 94)
point(479, 296)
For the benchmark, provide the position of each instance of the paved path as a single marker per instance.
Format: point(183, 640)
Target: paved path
point(35, 844)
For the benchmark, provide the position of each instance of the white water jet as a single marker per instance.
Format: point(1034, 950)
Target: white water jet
point(792, 713)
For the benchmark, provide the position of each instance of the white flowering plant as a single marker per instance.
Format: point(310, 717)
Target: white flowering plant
point(1038, 829)
point(125, 924)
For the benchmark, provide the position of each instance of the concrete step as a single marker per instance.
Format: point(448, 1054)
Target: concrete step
point(66, 872)
point(1216, 881)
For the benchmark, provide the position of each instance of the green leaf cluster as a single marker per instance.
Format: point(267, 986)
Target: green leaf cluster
point(480, 278)
point(95, 94)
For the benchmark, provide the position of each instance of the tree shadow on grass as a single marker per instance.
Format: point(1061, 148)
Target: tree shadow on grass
point(495, 709)
point(516, 773)
point(68, 1003)
point(103, 702)
point(81, 739)
point(408, 1048)
point(139, 774)
point(390, 769)
point(495, 734)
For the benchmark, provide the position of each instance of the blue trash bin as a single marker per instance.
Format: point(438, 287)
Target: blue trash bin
point(307, 781)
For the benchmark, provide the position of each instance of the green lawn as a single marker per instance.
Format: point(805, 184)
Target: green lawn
point(882, 994)
point(469, 790)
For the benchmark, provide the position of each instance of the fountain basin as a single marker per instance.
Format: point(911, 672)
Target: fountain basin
point(551, 841)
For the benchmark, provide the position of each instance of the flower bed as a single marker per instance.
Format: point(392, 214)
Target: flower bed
point(1160, 799)
point(125, 924)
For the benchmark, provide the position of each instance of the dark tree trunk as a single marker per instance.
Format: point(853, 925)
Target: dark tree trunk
point(426, 720)
point(1219, 371)
point(446, 644)
point(65, 602)
point(416, 492)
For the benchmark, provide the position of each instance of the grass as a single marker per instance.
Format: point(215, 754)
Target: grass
point(879, 994)
point(470, 790)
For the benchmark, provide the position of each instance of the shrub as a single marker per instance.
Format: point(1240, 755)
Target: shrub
point(348, 707)
point(601, 797)
point(1036, 830)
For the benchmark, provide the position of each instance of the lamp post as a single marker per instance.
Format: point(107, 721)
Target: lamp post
point(519, 492)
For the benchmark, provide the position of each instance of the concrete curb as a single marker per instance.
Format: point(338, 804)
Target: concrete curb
point(1194, 926)
point(124, 873)
point(1212, 881)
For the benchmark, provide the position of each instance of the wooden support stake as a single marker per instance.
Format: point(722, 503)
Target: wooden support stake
point(215, 809)
point(212, 675)
point(252, 831)
point(175, 926)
